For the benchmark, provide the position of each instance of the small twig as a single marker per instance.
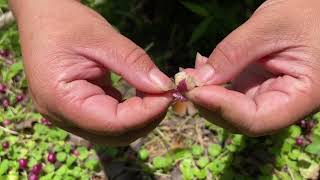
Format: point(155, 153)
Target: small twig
point(161, 174)
point(199, 133)
point(6, 19)
point(9, 131)
point(290, 173)
point(165, 140)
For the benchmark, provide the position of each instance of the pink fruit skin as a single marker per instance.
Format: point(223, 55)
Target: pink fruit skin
point(52, 157)
point(23, 163)
point(182, 86)
point(36, 169)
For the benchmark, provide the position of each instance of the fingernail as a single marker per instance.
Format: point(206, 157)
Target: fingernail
point(161, 80)
point(198, 57)
point(200, 60)
point(204, 74)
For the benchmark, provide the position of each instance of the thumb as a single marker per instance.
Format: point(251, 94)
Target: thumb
point(125, 58)
point(250, 42)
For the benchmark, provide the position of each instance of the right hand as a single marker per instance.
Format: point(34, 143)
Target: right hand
point(69, 51)
point(273, 62)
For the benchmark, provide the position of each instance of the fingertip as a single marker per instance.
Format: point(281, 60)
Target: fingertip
point(200, 60)
point(160, 80)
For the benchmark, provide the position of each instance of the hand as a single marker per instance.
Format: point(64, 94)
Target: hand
point(69, 51)
point(273, 62)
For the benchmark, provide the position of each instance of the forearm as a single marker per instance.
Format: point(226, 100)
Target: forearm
point(20, 7)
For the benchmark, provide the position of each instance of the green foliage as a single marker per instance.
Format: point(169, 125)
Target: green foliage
point(214, 150)
point(314, 147)
point(143, 154)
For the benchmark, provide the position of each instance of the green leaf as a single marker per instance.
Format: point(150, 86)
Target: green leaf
point(91, 164)
point(41, 129)
point(62, 170)
point(115, 78)
point(200, 30)
point(214, 150)
point(61, 156)
point(181, 154)
point(196, 8)
point(237, 139)
point(203, 161)
point(70, 160)
point(295, 131)
point(314, 147)
point(199, 173)
point(197, 150)
point(32, 161)
point(47, 177)
point(160, 162)
point(294, 154)
point(4, 166)
point(186, 169)
point(49, 168)
point(143, 154)
point(216, 167)
point(83, 153)
point(14, 70)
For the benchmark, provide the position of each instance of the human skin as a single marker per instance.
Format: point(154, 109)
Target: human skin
point(68, 53)
point(273, 63)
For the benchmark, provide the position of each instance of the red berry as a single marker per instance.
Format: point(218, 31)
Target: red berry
point(3, 88)
point(5, 145)
point(23, 163)
point(303, 123)
point(75, 152)
point(33, 176)
point(52, 157)
point(5, 53)
point(20, 98)
point(5, 103)
point(299, 141)
point(46, 122)
point(310, 125)
point(6, 122)
point(36, 169)
point(90, 145)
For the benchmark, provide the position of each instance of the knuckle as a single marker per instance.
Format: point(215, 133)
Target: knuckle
point(228, 52)
point(139, 60)
point(255, 129)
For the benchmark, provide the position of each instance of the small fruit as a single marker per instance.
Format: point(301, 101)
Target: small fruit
point(6, 122)
point(23, 163)
point(36, 169)
point(33, 176)
point(5, 145)
point(184, 82)
point(5, 103)
point(52, 157)
point(46, 122)
point(299, 141)
point(310, 125)
point(20, 98)
point(3, 88)
point(4, 53)
point(75, 152)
